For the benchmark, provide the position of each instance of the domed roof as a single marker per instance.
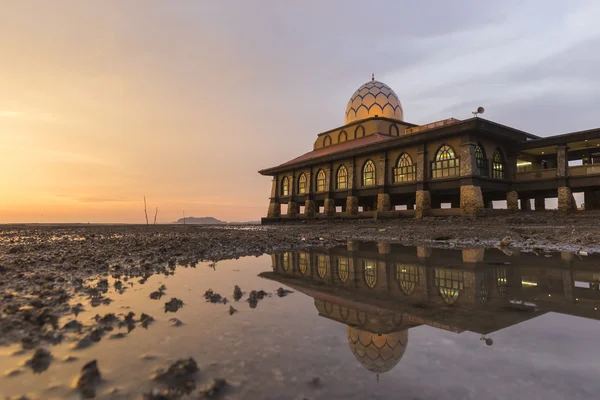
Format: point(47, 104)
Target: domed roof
point(377, 352)
point(374, 98)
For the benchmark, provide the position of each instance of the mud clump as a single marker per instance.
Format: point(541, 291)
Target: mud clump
point(179, 379)
point(232, 310)
point(173, 305)
point(156, 295)
point(237, 293)
point(88, 380)
point(281, 292)
point(146, 320)
point(175, 322)
point(215, 390)
point(40, 361)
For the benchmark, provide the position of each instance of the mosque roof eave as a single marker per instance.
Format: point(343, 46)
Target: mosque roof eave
point(361, 121)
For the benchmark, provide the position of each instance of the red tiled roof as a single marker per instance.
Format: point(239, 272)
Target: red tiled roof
point(338, 148)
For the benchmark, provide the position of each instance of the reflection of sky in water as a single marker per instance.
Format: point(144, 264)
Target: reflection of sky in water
point(277, 349)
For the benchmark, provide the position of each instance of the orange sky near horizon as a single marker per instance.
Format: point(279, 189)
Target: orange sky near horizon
point(105, 102)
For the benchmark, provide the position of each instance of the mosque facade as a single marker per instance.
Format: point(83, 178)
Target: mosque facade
point(378, 165)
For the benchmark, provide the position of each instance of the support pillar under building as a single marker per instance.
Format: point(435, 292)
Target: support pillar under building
point(384, 203)
point(526, 204)
point(309, 208)
point(274, 209)
point(329, 207)
point(292, 210)
point(566, 202)
point(512, 201)
point(540, 203)
point(423, 204)
point(351, 206)
point(471, 201)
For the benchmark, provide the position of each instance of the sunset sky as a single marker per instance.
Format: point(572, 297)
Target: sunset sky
point(104, 102)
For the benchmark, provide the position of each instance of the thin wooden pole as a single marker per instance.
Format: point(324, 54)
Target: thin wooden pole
point(155, 214)
point(145, 211)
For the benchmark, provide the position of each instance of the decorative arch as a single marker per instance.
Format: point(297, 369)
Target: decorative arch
point(394, 131)
point(285, 186)
point(302, 188)
point(327, 141)
point(498, 164)
point(446, 163)
point(370, 273)
point(321, 187)
point(342, 137)
point(368, 173)
point(343, 269)
point(359, 132)
point(405, 170)
point(481, 160)
point(342, 178)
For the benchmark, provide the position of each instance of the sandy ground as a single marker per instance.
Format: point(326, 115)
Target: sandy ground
point(41, 267)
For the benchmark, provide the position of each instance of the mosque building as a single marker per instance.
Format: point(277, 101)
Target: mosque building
point(378, 165)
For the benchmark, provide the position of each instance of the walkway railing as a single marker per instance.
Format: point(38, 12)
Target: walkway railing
point(582, 170)
point(540, 174)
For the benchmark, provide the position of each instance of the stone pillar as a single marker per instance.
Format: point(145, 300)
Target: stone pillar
point(351, 206)
point(540, 203)
point(424, 252)
point(591, 199)
point(329, 207)
point(352, 245)
point(381, 175)
point(471, 201)
point(472, 256)
point(292, 210)
point(274, 209)
point(525, 204)
point(421, 165)
point(512, 201)
point(384, 248)
point(274, 187)
point(467, 158)
point(384, 202)
point(309, 208)
point(562, 161)
point(423, 204)
point(565, 199)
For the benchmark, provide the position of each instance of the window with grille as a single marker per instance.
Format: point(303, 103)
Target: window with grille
point(303, 263)
point(446, 163)
point(370, 273)
point(321, 181)
point(322, 266)
point(369, 174)
point(408, 277)
point(481, 162)
point(405, 170)
point(302, 184)
point(498, 165)
point(343, 269)
point(285, 186)
point(342, 178)
point(450, 283)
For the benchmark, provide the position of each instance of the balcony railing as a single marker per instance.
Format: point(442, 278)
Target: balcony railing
point(582, 170)
point(539, 174)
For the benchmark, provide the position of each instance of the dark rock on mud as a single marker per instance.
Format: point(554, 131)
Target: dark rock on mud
point(237, 293)
point(146, 320)
point(215, 390)
point(88, 380)
point(175, 322)
point(73, 325)
point(40, 361)
point(232, 310)
point(281, 292)
point(173, 305)
point(179, 377)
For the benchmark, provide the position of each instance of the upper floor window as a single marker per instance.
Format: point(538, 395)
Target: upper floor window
point(450, 283)
point(342, 178)
point(446, 163)
point(480, 161)
point(407, 276)
point(321, 181)
point(322, 266)
point(370, 273)
point(405, 170)
point(369, 174)
point(327, 141)
point(303, 263)
point(342, 137)
point(302, 184)
point(359, 131)
point(343, 268)
point(285, 186)
point(498, 165)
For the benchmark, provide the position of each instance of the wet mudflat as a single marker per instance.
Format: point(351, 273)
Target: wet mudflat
point(359, 321)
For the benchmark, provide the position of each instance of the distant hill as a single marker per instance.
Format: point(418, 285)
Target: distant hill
point(200, 220)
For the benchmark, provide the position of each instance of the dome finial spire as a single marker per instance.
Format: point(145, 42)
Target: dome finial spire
point(372, 76)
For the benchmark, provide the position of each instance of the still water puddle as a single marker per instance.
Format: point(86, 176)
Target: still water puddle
point(363, 322)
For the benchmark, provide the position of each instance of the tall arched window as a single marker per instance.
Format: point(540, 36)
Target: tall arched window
point(481, 161)
point(327, 141)
point(446, 163)
point(450, 283)
point(302, 184)
point(285, 186)
point(359, 132)
point(369, 174)
point(303, 263)
point(321, 181)
point(343, 269)
point(321, 266)
point(370, 273)
point(498, 165)
point(286, 261)
point(407, 276)
point(405, 170)
point(342, 178)
point(342, 137)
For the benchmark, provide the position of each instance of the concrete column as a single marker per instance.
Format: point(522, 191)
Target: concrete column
point(423, 204)
point(329, 207)
point(351, 206)
point(512, 201)
point(565, 199)
point(292, 210)
point(274, 209)
point(309, 208)
point(591, 199)
point(562, 160)
point(384, 203)
point(471, 201)
point(540, 203)
point(525, 204)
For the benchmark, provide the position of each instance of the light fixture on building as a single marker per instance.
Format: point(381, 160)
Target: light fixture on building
point(480, 110)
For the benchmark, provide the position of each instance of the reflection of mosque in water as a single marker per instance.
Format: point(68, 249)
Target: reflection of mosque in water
point(380, 291)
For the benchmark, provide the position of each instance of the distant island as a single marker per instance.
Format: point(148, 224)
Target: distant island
point(200, 220)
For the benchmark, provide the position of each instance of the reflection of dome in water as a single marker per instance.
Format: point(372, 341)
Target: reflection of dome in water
point(371, 99)
point(377, 353)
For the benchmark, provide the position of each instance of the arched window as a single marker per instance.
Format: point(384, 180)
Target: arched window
point(394, 130)
point(343, 269)
point(408, 277)
point(370, 273)
point(302, 184)
point(405, 170)
point(446, 163)
point(450, 283)
point(286, 261)
point(285, 186)
point(321, 181)
point(327, 141)
point(322, 266)
point(359, 132)
point(342, 137)
point(498, 165)
point(303, 263)
point(342, 178)
point(481, 161)
point(369, 173)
